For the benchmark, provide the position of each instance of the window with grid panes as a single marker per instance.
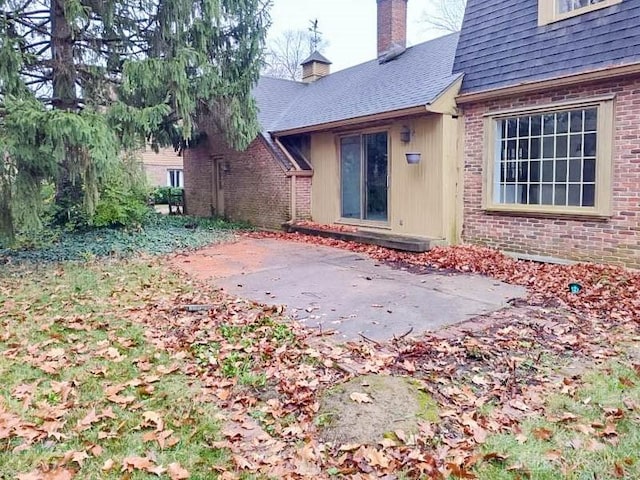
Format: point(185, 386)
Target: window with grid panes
point(547, 159)
point(556, 10)
point(564, 6)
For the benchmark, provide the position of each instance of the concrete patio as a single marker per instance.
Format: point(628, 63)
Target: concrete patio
point(350, 293)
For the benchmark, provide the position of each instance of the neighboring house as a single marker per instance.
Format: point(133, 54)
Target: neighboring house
point(163, 169)
point(333, 147)
point(551, 106)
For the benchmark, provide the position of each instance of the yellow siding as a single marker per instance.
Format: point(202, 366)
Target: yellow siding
point(422, 200)
point(325, 187)
point(416, 190)
point(451, 178)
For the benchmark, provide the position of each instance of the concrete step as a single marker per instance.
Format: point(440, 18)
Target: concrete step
point(388, 240)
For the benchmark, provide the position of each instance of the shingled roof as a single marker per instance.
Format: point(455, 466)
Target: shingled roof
point(416, 78)
point(316, 56)
point(501, 43)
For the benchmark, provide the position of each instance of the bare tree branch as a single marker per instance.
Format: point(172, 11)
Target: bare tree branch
point(285, 53)
point(444, 15)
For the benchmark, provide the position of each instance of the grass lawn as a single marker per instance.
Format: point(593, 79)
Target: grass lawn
point(590, 430)
point(106, 376)
point(83, 390)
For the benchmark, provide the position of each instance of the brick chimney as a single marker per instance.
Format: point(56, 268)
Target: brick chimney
point(392, 25)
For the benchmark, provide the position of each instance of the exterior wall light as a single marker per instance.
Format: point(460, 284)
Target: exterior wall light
point(405, 134)
point(413, 157)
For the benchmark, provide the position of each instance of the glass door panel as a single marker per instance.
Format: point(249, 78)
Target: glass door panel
point(376, 172)
point(351, 176)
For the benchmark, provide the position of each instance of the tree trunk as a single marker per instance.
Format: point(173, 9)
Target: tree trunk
point(69, 189)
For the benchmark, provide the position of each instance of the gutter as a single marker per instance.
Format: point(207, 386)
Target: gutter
point(605, 73)
point(354, 121)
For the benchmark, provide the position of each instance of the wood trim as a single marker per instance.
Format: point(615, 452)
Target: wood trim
point(551, 107)
point(286, 153)
point(604, 167)
point(561, 214)
point(548, 13)
point(445, 102)
point(489, 153)
point(299, 173)
point(392, 115)
point(605, 152)
point(606, 73)
point(460, 217)
point(272, 150)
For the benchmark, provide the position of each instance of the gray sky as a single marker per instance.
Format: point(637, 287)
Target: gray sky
point(348, 25)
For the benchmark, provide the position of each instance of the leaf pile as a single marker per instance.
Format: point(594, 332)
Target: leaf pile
point(329, 228)
point(127, 370)
point(83, 395)
point(608, 291)
point(268, 375)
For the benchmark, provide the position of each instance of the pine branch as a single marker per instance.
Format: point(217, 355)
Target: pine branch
point(32, 27)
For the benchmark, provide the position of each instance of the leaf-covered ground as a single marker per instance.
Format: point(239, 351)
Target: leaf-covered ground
point(606, 290)
point(107, 374)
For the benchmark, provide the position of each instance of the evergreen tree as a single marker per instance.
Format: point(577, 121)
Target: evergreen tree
point(82, 81)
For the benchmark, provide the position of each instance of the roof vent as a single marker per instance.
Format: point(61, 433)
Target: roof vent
point(394, 52)
point(315, 67)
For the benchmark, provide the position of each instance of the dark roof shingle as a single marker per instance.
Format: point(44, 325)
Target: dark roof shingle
point(501, 43)
point(316, 56)
point(415, 78)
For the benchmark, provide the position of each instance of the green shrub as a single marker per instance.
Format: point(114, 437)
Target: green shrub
point(123, 197)
point(160, 195)
point(120, 208)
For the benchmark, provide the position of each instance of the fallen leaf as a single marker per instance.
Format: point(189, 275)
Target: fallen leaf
point(360, 397)
point(542, 434)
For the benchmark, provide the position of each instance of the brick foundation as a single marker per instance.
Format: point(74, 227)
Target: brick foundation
point(614, 240)
point(256, 187)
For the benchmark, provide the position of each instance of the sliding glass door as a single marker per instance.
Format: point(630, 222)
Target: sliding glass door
point(364, 172)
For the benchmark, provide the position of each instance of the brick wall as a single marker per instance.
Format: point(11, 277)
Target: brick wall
point(303, 198)
point(256, 188)
point(392, 24)
point(156, 165)
point(198, 175)
point(156, 174)
point(614, 240)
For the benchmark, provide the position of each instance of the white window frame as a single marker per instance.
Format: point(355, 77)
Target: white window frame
point(180, 175)
point(604, 158)
point(549, 11)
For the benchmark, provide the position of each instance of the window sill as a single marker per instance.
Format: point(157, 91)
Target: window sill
point(582, 214)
